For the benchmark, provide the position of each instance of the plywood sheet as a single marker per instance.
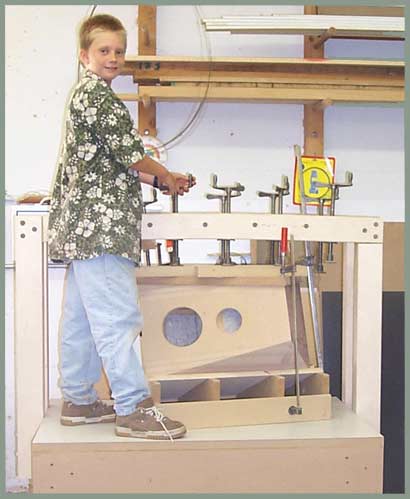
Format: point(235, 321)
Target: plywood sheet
point(263, 312)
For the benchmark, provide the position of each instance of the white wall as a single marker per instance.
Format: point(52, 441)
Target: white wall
point(249, 143)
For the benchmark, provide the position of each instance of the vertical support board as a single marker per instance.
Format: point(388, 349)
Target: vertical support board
point(210, 389)
point(31, 334)
point(271, 386)
point(348, 323)
point(147, 45)
point(367, 340)
point(313, 116)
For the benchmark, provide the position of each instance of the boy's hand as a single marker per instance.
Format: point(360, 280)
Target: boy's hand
point(176, 183)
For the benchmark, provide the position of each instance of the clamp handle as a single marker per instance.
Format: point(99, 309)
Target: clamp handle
point(283, 250)
point(282, 189)
point(222, 196)
point(235, 187)
point(190, 179)
point(277, 195)
point(263, 194)
point(347, 183)
point(284, 241)
point(215, 196)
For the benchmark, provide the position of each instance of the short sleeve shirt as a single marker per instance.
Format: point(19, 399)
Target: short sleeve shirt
point(96, 202)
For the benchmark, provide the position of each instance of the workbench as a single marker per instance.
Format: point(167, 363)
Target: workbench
point(226, 449)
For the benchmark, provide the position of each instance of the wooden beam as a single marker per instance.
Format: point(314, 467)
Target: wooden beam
point(261, 78)
point(313, 117)
point(298, 95)
point(147, 45)
point(313, 130)
point(210, 225)
point(147, 29)
point(313, 69)
point(156, 62)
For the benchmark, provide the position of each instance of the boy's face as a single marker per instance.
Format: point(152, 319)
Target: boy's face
point(106, 55)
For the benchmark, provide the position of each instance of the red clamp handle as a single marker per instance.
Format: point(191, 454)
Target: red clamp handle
point(169, 244)
point(284, 241)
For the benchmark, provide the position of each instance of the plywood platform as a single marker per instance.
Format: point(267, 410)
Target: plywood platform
point(340, 455)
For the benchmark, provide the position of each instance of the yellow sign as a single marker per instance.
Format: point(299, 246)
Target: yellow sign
point(318, 173)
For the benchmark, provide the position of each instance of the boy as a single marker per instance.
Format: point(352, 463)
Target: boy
point(95, 225)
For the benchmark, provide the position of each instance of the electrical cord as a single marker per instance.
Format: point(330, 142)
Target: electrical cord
point(205, 96)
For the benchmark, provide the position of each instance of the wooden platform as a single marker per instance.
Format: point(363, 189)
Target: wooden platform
point(340, 455)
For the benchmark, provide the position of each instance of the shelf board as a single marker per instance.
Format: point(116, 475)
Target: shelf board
point(283, 95)
point(294, 80)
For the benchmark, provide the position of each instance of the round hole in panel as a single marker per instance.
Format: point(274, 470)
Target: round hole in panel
point(229, 320)
point(182, 326)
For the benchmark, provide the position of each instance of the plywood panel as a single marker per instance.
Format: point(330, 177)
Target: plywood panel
point(264, 324)
point(251, 411)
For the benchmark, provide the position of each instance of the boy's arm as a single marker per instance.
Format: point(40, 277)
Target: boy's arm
point(146, 178)
point(175, 182)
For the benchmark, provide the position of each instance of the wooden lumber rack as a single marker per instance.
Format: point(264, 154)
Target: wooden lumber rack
point(165, 78)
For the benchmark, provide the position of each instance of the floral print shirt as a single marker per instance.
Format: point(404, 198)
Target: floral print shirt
point(96, 201)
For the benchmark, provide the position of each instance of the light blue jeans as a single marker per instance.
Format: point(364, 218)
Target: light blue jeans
point(101, 320)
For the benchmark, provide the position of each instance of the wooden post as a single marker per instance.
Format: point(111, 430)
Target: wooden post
point(367, 338)
point(348, 323)
point(313, 115)
point(147, 45)
point(30, 333)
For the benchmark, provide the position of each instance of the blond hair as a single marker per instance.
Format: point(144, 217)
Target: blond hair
point(96, 24)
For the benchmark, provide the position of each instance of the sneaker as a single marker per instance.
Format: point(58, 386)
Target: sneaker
point(148, 422)
point(98, 412)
